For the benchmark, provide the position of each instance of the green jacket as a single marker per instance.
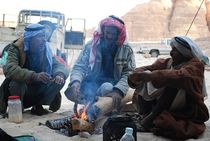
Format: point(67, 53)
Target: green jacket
point(16, 59)
point(124, 63)
point(14, 70)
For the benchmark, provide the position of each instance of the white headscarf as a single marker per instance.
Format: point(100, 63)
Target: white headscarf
point(189, 49)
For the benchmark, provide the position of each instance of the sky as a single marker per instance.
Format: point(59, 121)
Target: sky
point(92, 10)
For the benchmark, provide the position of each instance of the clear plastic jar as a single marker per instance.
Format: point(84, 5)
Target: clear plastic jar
point(14, 109)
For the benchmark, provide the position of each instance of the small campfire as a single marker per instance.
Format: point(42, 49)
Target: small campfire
point(80, 120)
point(72, 125)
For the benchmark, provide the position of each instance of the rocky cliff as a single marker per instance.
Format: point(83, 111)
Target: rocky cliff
point(159, 19)
point(166, 18)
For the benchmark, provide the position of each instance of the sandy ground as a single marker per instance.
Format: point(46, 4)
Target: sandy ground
point(31, 123)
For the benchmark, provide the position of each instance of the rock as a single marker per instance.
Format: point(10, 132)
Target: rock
point(84, 134)
point(159, 19)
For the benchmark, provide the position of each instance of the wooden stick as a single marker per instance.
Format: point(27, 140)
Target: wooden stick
point(105, 103)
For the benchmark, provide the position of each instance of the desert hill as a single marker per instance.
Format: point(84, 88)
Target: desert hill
point(159, 19)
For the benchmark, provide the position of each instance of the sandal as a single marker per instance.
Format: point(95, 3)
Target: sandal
point(39, 110)
point(58, 123)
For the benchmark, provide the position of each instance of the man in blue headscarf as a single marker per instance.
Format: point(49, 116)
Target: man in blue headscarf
point(33, 73)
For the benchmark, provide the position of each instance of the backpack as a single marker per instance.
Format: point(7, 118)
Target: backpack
point(25, 138)
point(114, 127)
point(6, 137)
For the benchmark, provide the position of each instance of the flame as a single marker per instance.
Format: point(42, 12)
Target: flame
point(81, 112)
point(84, 112)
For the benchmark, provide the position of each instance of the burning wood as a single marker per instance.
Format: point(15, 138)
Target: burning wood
point(103, 105)
point(70, 125)
point(80, 121)
point(82, 125)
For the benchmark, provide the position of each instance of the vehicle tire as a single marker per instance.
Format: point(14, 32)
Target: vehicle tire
point(154, 53)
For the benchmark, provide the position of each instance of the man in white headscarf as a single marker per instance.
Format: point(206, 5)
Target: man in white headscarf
point(172, 102)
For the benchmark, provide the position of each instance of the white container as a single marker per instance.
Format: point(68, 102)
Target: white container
point(128, 136)
point(14, 109)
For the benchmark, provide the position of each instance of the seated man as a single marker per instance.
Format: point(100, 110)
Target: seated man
point(103, 66)
point(33, 73)
point(171, 92)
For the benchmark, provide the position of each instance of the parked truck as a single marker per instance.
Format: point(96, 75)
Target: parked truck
point(63, 34)
point(156, 48)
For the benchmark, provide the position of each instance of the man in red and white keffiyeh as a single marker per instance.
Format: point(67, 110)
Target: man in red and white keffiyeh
point(103, 66)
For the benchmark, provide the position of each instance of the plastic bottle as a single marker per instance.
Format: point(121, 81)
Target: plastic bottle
point(128, 136)
point(14, 109)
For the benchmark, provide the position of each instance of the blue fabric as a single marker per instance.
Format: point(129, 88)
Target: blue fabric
point(34, 27)
point(49, 26)
point(26, 138)
point(31, 31)
point(41, 94)
point(3, 59)
point(39, 55)
point(49, 58)
point(107, 67)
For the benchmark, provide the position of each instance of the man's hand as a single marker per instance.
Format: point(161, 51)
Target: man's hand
point(76, 87)
point(58, 80)
point(72, 91)
point(41, 77)
point(140, 69)
point(116, 100)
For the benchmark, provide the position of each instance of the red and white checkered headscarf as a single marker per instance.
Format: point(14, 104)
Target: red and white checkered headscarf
point(110, 21)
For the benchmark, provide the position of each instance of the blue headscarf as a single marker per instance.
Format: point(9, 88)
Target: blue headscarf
point(39, 57)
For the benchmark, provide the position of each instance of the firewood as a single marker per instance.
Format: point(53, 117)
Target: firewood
point(105, 103)
point(82, 125)
point(128, 96)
